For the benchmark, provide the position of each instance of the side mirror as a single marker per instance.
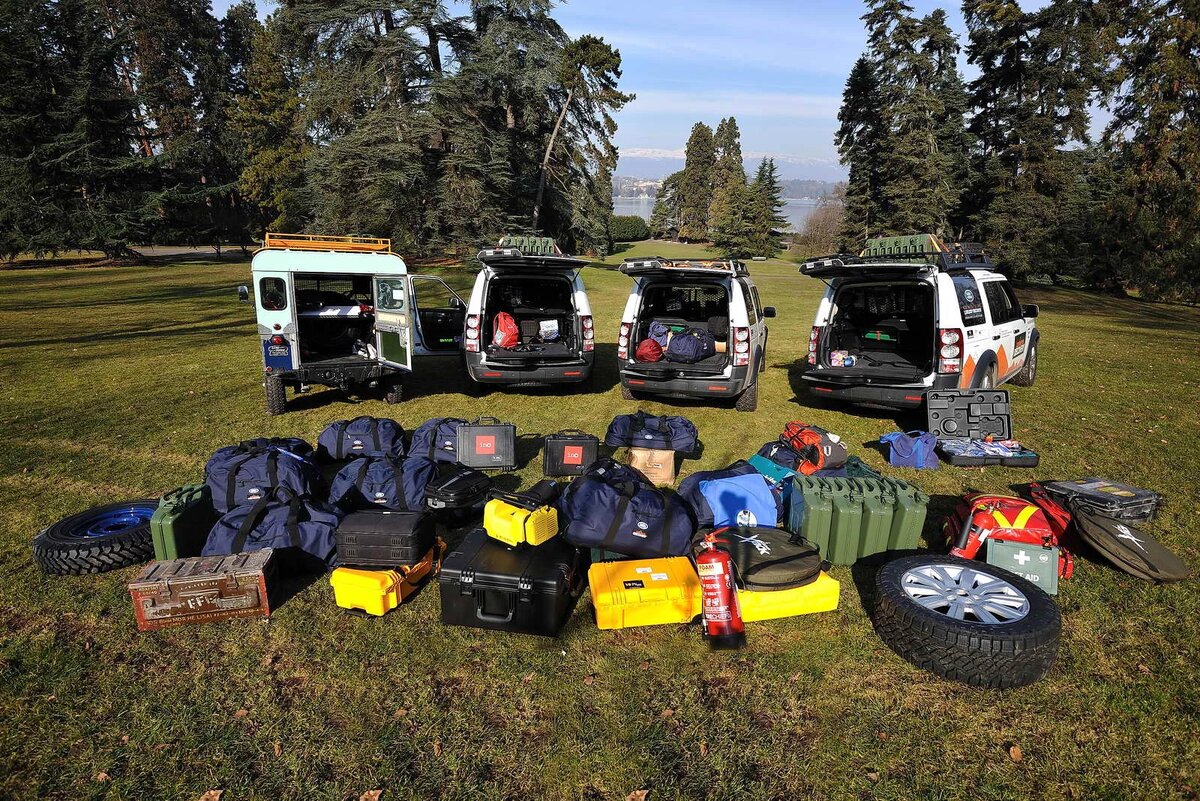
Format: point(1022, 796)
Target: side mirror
point(768, 311)
point(1029, 310)
point(244, 293)
point(457, 303)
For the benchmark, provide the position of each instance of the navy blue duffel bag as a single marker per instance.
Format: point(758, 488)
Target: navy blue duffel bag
point(641, 430)
point(437, 439)
point(396, 484)
point(362, 436)
point(738, 497)
point(690, 346)
point(280, 519)
point(245, 473)
point(613, 507)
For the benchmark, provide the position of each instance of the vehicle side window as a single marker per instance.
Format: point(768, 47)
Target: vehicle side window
point(757, 300)
point(998, 302)
point(1018, 311)
point(432, 293)
point(970, 302)
point(272, 294)
point(751, 303)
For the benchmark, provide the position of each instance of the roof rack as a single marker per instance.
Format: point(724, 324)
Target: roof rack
point(343, 244)
point(958, 256)
point(635, 265)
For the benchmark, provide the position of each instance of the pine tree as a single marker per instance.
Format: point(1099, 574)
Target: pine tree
point(664, 219)
point(728, 183)
point(859, 140)
point(950, 141)
point(766, 210)
point(695, 184)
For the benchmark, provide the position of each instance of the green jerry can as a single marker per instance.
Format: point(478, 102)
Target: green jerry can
point(849, 518)
point(908, 518)
point(878, 507)
point(182, 521)
point(845, 529)
point(810, 511)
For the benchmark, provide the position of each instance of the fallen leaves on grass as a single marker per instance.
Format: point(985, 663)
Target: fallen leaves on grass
point(1015, 753)
point(666, 713)
point(528, 678)
point(103, 777)
point(873, 775)
point(437, 748)
point(124, 739)
point(241, 713)
point(703, 748)
point(399, 713)
point(211, 795)
point(589, 679)
point(370, 795)
point(637, 795)
point(278, 748)
point(645, 664)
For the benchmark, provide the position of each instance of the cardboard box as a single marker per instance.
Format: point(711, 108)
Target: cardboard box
point(658, 465)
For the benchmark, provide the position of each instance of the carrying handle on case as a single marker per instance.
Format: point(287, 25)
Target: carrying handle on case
point(570, 431)
point(489, 618)
point(486, 420)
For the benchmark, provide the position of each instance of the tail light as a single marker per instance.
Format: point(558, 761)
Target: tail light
point(950, 350)
point(471, 335)
point(278, 340)
point(623, 341)
point(589, 333)
point(814, 337)
point(741, 347)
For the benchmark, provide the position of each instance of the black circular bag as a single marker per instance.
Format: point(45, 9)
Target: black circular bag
point(768, 559)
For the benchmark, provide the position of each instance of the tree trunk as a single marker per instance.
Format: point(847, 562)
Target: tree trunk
point(562, 115)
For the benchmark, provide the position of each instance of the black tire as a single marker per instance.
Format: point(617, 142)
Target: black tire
point(1009, 653)
point(393, 391)
point(103, 538)
point(627, 393)
point(748, 400)
point(276, 396)
point(1028, 373)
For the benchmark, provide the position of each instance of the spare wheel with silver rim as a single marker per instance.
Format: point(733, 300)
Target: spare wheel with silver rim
point(965, 620)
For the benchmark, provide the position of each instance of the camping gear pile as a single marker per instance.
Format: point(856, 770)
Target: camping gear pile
point(388, 511)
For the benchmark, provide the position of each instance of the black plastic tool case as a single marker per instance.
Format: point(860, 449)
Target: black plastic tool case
point(458, 494)
point(973, 414)
point(1109, 498)
point(567, 453)
point(486, 585)
point(382, 538)
point(487, 444)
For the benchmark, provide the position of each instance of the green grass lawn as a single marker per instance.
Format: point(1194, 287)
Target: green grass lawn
point(118, 382)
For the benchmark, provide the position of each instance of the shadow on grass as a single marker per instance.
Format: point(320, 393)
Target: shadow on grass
point(905, 419)
point(227, 329)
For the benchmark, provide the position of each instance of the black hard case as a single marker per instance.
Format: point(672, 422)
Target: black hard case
point(383, 538)
point(487, 444)
point(973, 414)
point(458, 495)
point(554, 449)
point(1108, 498)
point(487, 585)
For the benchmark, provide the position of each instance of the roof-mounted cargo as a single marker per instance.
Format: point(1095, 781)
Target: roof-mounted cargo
point(529, 252)
point(899, 255)
point(657, 265)
point(336, 244)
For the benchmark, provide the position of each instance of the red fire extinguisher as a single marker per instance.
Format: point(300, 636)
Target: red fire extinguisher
point(723, 627)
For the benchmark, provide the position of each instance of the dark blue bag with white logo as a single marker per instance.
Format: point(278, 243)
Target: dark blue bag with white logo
point(641, 430)
point(437, 439)
point(243, 474)
point(914, 449)
point(362, 436)
point(395, 484)
point(613, 507)
point(659, 333)
point(691, 346)
point(725, 497)
point(281, 520)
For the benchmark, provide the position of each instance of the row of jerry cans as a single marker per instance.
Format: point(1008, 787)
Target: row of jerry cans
point(849, 518)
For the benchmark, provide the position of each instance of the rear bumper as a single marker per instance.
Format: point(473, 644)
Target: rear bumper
point(337, 375)
point(908, 396)
point(687, 387)
point(564, 372)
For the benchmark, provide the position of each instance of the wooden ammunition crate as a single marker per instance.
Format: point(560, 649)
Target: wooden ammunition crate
point(203, 589)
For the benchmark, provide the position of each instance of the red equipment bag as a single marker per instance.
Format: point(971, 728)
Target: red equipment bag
point(648, 351)
point(817, 448)
point(505, 333)
point(980, 517)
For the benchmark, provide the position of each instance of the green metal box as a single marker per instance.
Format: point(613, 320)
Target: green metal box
point(849, 518)
point(1035, 563)
point(182, 521)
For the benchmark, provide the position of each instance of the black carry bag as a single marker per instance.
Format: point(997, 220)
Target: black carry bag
point(768, 559)
point(567, 453)
point(487, 444)
point(1130, 549)
point(384, 538)
point(458, 494)
point(486, 585)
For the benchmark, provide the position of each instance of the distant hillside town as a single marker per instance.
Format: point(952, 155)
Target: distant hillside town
point(626, 186)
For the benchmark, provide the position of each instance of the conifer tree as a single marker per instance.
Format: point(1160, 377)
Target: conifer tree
point(859, 140)
point(766, 209)
point(664, 219)
point(695, 184)
point(728, 183)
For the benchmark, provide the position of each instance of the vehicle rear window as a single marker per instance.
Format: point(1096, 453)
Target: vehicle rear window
point(272, 294)
point(970, 301)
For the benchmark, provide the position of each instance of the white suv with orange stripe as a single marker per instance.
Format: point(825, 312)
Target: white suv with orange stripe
point(893, 325)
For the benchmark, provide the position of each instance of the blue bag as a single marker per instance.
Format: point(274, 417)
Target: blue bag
point(689, 489)
point(437, 439)
point(773, 472)
point(240, 474)
point(362, 436)
point(280, 519)
point(616, 510)
point(666, 432)
point(914, 449)
point(741, 501)
point(293, 445)
point(690, 346)
point(659, 332)
point(395, 484)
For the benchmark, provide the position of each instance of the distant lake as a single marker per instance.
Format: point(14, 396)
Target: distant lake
point(796, 211)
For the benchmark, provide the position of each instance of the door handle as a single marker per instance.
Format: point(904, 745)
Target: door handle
point(997, 336)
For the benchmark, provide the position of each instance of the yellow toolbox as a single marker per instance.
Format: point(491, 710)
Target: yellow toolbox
point(377, 592)
point(519, 519)
point(820, 595)
point(644, 592)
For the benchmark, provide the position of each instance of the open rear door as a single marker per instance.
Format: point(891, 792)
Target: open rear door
point(394, 320)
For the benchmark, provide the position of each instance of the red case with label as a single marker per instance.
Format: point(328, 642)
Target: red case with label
point(567, 453)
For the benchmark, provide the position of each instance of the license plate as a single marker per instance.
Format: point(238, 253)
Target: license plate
point(277, 350)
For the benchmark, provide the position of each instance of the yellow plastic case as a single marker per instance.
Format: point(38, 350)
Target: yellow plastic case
point(515, 526)
point(644, 592)
point(820, 595)
point(377, 592)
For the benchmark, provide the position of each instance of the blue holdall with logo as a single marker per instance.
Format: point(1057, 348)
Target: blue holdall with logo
point(239, 474)
point(395, 484)
point(746, 500)
point(689, 489)
point(691, 346)
point(617, 510)
point(914, 449)
point(280, 519)
point(437, 439)
point(641, 430)
point(362, 436)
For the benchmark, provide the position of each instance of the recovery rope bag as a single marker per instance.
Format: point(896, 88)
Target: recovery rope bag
point(818, 449)
point(666, 432)
point(505, 333)
point(395, 484)
point(238, 475)
point(362, 436)
point(280, 519)
point(437, 439)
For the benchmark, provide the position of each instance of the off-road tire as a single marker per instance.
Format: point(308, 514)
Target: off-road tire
point(276, 396)
point(1028, 373)
point(627, 393)
point(393, 391)
point(996, 655)
point(61, 550)
point(748, 400)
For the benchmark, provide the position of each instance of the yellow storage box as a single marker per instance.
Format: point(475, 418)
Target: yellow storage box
point(644, 592)
point(516, 525)
point(377, 592)
point(820, 595)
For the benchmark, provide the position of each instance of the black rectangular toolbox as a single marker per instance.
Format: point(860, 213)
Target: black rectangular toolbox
point(973, 414)
point(383, 538)
point(567, 453)
point(485, 584)
point(458, 494)
point(1108, 498)
point(487, 444)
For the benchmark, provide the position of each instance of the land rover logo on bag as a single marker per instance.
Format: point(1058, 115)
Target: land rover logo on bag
point(969, 296)
point(381, 497)
point(643, 525)
point(357, 445)
point(254, 493)
point(642, 528)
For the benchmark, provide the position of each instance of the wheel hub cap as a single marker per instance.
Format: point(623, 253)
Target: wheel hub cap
point(965, 593)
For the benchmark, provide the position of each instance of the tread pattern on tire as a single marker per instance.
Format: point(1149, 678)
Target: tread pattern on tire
point(276, 396)
point(58, 553)
point(1025, 377)
point(1008, 655)
point(748, 400)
